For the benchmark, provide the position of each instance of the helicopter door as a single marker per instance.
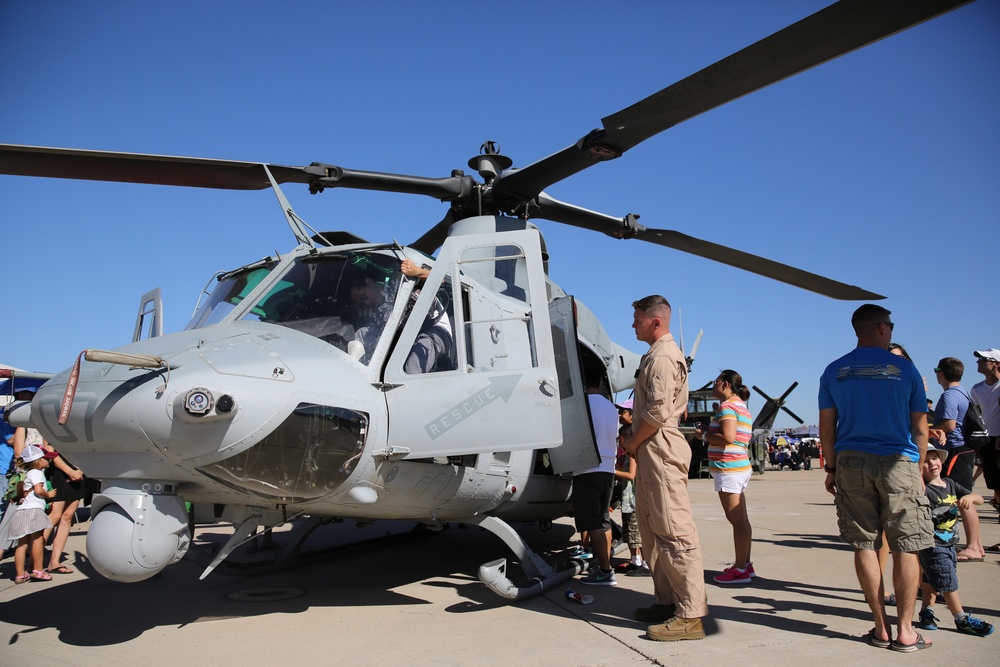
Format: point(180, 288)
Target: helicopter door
point(579, 449)
point(496, 389)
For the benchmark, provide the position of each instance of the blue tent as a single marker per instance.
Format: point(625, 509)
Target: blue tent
point(19, 384)
point(805, 432)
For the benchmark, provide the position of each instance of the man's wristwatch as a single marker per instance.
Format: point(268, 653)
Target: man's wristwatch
point(829, 469)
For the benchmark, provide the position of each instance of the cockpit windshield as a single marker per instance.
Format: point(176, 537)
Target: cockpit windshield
point(343, 299)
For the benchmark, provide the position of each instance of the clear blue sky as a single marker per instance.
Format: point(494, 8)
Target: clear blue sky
point(880, 169)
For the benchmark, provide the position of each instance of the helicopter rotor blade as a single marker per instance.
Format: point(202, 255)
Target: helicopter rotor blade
point(781, 401)
point(829, 33)
point(142, 168)
point(697, 342)
point(210, 173)
point(794, 416)
point(434, 237)
point(544, 206)
point(757, 264)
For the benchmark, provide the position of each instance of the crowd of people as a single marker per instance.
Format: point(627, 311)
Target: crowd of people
point(901, 477)
point(651, 465)
point(42, 492)
point(885, 463)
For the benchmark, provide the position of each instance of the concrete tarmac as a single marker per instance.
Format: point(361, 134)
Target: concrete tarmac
point(418, 602)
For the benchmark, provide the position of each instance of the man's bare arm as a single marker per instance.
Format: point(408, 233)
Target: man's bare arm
point(828, 442)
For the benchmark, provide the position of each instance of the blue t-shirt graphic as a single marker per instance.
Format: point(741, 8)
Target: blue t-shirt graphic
point(874, 392)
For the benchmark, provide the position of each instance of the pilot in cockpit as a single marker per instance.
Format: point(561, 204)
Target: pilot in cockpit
point(432, 348)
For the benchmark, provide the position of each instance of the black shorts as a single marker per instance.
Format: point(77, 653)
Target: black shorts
point(591, 500)
point(960, 466)
point(991, 463)
point(65, 489)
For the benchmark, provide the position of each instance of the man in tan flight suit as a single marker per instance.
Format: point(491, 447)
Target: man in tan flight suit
point(669, 536)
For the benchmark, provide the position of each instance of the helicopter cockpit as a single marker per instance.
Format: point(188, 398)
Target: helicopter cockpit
point(344, 299)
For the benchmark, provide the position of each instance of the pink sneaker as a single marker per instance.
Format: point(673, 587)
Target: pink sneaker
point(750, 570)
point(731, 575)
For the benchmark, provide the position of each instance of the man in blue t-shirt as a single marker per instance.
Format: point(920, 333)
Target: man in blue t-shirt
point(946, 434)
point(873, 428)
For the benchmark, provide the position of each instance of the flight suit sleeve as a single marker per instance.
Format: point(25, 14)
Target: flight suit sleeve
point(662, 379)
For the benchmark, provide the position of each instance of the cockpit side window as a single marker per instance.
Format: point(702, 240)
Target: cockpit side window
point(433, 350)
point(498, 328)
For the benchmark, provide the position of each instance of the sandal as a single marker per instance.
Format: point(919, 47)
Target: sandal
point(876, 642)
point(40, 575)
point(23, 579)
point(918, 645)
point(60, 569)
point(966, 558)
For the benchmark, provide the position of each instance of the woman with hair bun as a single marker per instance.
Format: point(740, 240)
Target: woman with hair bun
point(728, 438)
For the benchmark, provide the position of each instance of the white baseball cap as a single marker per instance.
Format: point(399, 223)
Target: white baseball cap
point(31, 453)
point(992, 354)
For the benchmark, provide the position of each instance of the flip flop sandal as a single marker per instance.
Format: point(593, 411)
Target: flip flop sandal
point(62, 569)
point(40, 575)
point(876, 642)
point(994, 549)
point(969, 559)
point(918, 645)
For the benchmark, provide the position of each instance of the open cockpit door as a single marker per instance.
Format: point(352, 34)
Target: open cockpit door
point(579, 447)
point(473, 369)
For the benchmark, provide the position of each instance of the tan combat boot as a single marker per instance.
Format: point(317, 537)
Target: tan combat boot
point(677, 628)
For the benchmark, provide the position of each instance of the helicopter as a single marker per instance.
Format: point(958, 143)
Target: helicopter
point(304, 383)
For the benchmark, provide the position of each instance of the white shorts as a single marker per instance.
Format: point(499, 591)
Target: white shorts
point(731, 482)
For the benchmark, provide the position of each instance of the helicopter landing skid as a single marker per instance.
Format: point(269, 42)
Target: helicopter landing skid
point(290, 554)
point(493, 575)
point(532, 564)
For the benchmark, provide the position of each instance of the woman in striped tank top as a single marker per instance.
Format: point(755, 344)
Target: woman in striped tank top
point(728, 438)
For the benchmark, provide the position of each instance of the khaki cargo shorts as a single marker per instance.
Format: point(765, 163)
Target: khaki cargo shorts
point(881, 497)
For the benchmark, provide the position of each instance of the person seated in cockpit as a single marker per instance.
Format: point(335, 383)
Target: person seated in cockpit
point(366, 310)
point(432, 349)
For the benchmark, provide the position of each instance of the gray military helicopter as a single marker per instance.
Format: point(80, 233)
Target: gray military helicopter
point(351, 379)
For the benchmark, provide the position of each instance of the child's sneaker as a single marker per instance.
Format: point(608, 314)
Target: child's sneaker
point(750, 570)
point(927, 619)
point(974, 626)
point(597, 577)
point(733, 575)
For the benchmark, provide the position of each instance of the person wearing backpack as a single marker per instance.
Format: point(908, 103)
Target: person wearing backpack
point(949, 415)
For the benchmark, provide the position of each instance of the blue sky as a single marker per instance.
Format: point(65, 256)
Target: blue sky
point(880, 169)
